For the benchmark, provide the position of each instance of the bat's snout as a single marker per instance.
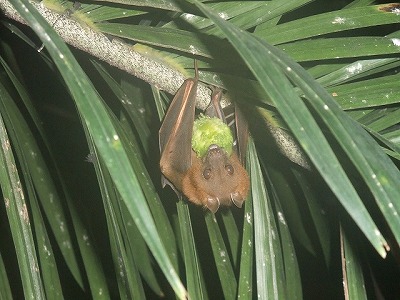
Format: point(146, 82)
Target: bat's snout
point(215, 150)
point(214, 147)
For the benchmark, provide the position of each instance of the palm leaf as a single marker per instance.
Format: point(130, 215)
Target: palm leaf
point(318, 84)
point(108, 143)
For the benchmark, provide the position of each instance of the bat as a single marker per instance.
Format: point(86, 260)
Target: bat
point(215, 178)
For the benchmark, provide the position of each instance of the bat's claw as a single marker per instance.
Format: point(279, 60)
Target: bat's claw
point(213, 204)
point(237, 199)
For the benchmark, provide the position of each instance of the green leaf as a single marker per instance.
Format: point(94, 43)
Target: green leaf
point(105, 137)
point(172, 5)
point(291, 269)
point(386, 120)
point(356, 3)
point(194, 277)
point(334, 48)
point(356, 70)
point(334, 21)
point(229, 10)
point(51, 201)
point(353, 278)
point(283, 189)
point(31, 156)
point(126, 101)
point(233, 235)
point(4, 282)
point(176, 39)
point(245, 283)
point(268, 259)
point(129, 142)
point(318, 214)
point(221, 257)
point(18, 216)
point(261, 14)
point(99, 13)
point(368, 93)
point(47, 261)
point(259, 56)
point(297, 207)
point(128, 279)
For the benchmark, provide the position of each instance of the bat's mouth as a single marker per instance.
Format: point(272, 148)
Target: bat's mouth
point(216, 155)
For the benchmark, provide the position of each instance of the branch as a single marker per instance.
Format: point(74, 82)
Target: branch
point(122, 56)
point(114, 52)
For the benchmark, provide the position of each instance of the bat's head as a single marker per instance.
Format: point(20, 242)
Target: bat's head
point(216, 179)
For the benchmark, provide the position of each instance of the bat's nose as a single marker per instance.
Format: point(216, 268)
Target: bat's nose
point(214, 149)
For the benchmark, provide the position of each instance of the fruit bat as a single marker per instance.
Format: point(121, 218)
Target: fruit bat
point(211, 177)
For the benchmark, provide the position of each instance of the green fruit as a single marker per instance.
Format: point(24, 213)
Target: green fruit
point(208, 131)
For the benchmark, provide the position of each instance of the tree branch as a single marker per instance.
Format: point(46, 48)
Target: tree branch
point(122, 56)
point(114, 52)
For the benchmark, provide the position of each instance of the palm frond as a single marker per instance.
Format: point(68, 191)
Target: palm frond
point(318, 83)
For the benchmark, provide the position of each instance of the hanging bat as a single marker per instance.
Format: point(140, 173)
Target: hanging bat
point(199, 158)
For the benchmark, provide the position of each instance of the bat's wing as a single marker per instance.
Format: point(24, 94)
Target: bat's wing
point(242, 134)
point(175, 135)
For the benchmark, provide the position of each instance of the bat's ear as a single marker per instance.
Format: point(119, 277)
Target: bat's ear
point(237, 199)
point(213, 204)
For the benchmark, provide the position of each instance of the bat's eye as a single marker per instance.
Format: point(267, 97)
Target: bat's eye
point(207, 173)
point(229, 169)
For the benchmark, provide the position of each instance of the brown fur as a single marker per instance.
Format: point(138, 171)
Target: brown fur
point(221, 184)
point(213, 180)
